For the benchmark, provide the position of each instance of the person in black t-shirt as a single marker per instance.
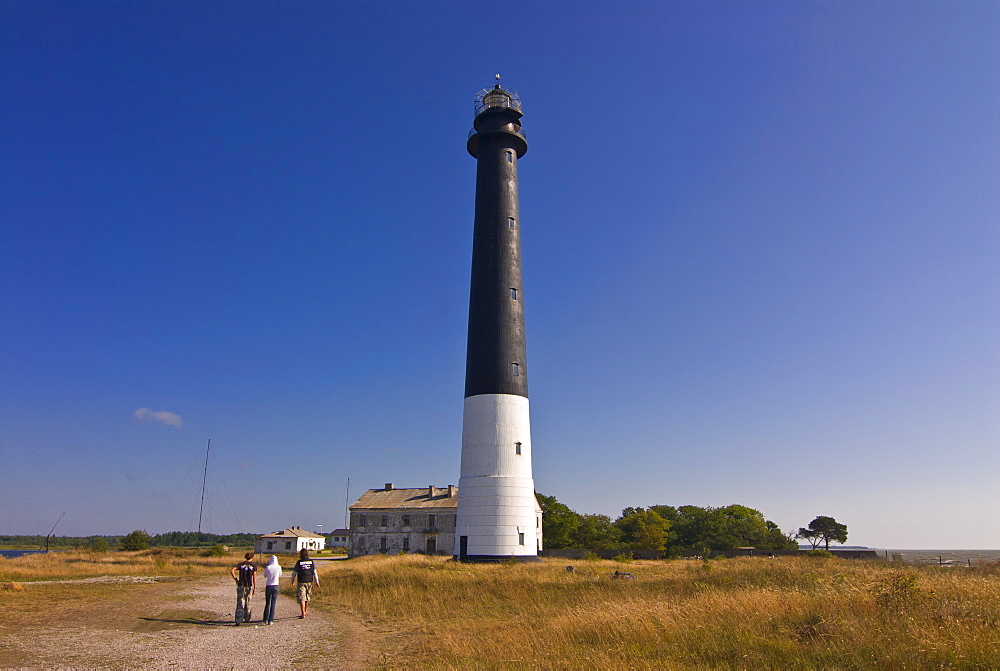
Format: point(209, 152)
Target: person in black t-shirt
point(245, 575)
point(305, 573)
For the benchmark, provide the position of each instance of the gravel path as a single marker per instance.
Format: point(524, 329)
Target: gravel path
point(192, 627)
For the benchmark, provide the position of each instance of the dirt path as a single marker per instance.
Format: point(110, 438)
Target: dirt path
point(180, 624)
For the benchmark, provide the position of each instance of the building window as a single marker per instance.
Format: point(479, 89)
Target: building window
point(515, 369)
point(517, 448)
point(510, 157)
point(383, 545)
point(510, 223)
point(385, 520)
point(361, 521)
point(288, 545)
point(513, 294)
point(406, 544)
point(538, 522)
point(520, 539)
point(432, 521)
point(406, 520)
point(270, 545)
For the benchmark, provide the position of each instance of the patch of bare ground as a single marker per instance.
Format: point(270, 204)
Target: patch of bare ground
point(169, 623)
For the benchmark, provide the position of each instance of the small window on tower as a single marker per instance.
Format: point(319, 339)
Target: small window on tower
point(510, 157)
point(510, 223)
point(513, 294)
point(516, 369)
point(517, 448)
point(520, 539)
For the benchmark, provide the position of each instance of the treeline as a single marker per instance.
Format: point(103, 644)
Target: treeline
point(169, 539)
point(676, 532)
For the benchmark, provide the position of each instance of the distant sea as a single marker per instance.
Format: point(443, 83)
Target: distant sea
point(941, 556)
point(10, 554)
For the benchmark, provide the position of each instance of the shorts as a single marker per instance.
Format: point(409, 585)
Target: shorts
point(304, 592)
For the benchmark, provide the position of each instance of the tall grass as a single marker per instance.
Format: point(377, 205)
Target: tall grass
point(789, 613)
point(85, 564)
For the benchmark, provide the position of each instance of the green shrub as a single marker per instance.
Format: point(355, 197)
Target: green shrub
point(216, 550)
point(137, 540)
point(819, 553)
point(99, 545)
point(623, 558)
point(591, 556)
point(674, 552)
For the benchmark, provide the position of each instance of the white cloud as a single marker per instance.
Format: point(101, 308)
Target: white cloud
point(161, 416)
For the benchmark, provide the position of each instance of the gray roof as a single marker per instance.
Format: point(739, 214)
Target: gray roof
point(407, 498)
point(295, 532)
point(422, 497)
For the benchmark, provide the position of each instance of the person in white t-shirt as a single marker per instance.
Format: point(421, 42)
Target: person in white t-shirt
point(272, 574)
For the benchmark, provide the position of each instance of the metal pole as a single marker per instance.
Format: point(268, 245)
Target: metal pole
point(204, 479)
point(50, 532)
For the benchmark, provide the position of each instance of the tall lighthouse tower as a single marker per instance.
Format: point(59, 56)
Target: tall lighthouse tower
point(498, 516)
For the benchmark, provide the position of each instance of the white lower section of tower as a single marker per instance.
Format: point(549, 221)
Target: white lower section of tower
point(497, 511)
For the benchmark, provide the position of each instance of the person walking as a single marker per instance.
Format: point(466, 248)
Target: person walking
point(245, 575)
point(305, 573)
point(272, 574)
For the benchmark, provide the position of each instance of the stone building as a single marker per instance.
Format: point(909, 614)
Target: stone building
point(390, 521)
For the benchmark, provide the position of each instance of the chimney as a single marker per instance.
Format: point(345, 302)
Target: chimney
point(388, 486)
point(451, 491)
point(430, 492)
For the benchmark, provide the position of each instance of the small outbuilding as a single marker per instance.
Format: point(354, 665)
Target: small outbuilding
point(289, 541)
point(339, 538)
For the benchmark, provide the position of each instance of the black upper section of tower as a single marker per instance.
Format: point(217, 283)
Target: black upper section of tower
point(496, 355)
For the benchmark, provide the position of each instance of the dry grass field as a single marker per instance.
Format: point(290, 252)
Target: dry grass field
point(422, 612)
point(84, 564)
point(739, 613)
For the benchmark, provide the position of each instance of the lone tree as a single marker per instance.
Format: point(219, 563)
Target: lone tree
point(137, 540)
point(823, 529)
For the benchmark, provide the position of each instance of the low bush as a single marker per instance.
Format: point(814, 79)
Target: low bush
point(819, 552)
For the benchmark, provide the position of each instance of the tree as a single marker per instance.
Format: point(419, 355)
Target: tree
point(595, 532)
point(823, 529)
point(99, 544)
point(558, 522)
point(137, 540)
point(643, 529)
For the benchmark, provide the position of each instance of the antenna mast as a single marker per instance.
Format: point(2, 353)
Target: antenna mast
point(347, 502)
point(204, 479)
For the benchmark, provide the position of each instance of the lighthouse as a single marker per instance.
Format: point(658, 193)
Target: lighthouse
point(498, 516)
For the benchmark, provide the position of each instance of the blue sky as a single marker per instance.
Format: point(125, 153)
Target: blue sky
point(760, 244)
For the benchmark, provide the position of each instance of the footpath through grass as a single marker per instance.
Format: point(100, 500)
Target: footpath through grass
point(740, 613)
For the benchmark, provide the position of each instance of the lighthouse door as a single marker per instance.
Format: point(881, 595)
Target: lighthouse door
point(463, 547)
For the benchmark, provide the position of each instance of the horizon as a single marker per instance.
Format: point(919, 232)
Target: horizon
point(759, 246)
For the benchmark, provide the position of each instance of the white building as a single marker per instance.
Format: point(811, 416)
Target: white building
point(288, 541)
point(339, 538)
